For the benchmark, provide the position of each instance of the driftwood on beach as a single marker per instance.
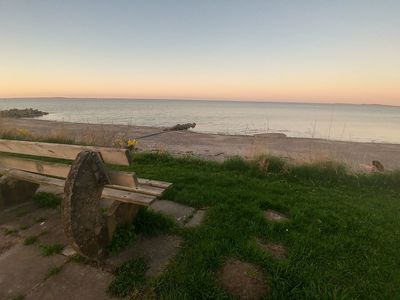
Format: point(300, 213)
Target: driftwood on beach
point(177, 127)
point(22, 113)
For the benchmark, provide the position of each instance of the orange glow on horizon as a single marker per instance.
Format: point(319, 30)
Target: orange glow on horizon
point(322, 90)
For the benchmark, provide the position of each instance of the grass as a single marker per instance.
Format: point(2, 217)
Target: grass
point(46, 200)
point(8, 231)
point(52, 271)
point(30, 240)
point(130, 278)
point(51, 249)
point(123, 236)
point(342, 237)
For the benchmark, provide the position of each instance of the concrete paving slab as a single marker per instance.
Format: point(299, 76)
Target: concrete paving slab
point(13, 213)
point(157, 252)
point(197, 218)
point(36, 222)
point(29, 219)
point(7, 240)
point(74, 281)
point(69, 251)
point(176, 211)
point(50, 230)
point(275, 216)
point(50, 189)
point(22, 268)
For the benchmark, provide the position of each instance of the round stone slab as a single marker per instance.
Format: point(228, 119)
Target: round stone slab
point(242, 280)
point(82, 217)
point(275, 216)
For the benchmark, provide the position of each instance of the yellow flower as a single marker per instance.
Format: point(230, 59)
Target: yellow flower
point(132, 143)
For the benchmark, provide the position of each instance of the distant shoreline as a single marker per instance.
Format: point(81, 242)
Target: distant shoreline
point(218, 146)
point(283, 101)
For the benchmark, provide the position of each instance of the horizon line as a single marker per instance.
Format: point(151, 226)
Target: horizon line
point(194, 99)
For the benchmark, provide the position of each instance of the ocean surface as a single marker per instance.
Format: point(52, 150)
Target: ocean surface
point(360, 123)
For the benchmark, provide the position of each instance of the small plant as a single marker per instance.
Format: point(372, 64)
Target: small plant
point(23, 133)
point(30, 240)
point(8, 231)
point(122, 237)
point(53, 271)
point(131, 144)
point(46, 200)
point(119, 142)
point(78, 259)
point(18, 297)
point(24, 227)
point(130, 277)
point(51, 249)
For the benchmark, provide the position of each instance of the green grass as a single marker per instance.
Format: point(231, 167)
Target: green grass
point(123, 236)
point(51, 249)
point(30, 240)
point(342, 237)
point(46, 200)
point(52, 271)
point(8, 231)
point(130, 278)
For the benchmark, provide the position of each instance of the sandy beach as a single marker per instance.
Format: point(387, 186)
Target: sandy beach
point(217, 146)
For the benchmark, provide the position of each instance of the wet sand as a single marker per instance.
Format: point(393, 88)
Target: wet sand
point(217, 146)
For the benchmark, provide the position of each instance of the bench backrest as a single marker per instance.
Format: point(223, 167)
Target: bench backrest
point(118, 179)
point(109, 155)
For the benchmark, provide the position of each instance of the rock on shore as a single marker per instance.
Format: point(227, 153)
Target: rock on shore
point(22, 113)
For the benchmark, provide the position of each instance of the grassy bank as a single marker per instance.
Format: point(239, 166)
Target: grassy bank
point(342, 238)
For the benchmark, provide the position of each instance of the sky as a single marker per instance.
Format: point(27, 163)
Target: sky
point(344, 51)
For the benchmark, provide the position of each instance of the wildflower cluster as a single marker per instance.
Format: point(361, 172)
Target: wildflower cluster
point(125, 143)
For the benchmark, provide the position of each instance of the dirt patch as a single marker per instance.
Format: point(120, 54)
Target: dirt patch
point(272, 215)
point(242, 280)
point(277, 250)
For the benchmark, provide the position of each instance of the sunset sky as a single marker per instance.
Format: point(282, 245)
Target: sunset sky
point(309, 51)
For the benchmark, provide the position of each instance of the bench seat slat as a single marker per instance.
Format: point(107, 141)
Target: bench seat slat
point(109, 155)
point(120, 180)
point(108, 193)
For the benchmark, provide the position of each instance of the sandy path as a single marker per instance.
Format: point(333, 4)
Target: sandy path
point(216, 146)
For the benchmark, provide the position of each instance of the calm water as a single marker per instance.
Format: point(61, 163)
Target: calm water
point(331, 121)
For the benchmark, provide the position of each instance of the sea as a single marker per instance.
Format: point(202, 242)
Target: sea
point(343, 122)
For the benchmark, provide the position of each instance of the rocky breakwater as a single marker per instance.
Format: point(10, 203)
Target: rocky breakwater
point(22, 113)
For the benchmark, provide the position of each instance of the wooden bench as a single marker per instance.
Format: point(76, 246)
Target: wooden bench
point(96, 199)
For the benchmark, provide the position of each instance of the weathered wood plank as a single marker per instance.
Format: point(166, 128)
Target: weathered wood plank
point(34, 166)
point(109, 155)
point(154, 183)
point(119, 179)
point(108, 193)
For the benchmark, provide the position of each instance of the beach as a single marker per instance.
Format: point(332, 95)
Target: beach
point(356, 155)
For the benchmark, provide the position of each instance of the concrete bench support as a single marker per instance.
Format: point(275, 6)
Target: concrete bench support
point(82, 216)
